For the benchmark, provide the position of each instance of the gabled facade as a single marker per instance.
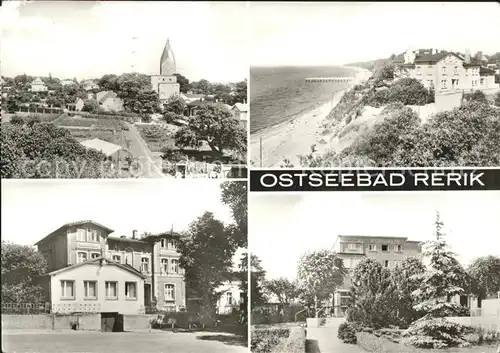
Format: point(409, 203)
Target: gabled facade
point(38, 86)
point(154, 256)
point(445, 71)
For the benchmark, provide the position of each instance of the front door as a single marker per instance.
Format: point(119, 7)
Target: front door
point(147, 294)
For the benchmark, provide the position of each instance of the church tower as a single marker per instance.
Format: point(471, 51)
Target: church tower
point(167, 61)
point(165, 84)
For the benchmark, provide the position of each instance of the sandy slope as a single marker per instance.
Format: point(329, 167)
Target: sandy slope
point(295, 137)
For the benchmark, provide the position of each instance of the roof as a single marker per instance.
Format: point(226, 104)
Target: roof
point(484, 71)
point(241, 107)
point(103, 95)
point(102, 146)
point(429, 57)
point(193, 95)
point(77, 223)
point(126, 240)
point(125, 267)
point(371, 237)
point(37, 81)
point(198, 103)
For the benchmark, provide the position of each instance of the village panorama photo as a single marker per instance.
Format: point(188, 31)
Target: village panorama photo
point(123, 89)
point(113, 271)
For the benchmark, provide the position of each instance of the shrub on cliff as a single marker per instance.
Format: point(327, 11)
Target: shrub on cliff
point(408, 91)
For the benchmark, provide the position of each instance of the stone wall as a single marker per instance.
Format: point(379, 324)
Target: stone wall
point(136, 322)
point(87, 322)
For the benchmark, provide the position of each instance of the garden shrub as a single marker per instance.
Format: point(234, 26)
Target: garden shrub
point(436, 333)
point(264, 340)
point(295, 343)
point(347, 333)
point(497, 99)
point(476, 96)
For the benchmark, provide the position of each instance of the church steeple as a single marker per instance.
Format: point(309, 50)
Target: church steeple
point(167, 61)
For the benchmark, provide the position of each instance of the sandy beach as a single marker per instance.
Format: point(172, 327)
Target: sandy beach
point(295, 137)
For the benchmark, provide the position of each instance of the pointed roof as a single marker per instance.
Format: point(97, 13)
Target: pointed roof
point(103, 261)
point(167, 61)
point(37, 81)
point(77, 223)
point(241, 107)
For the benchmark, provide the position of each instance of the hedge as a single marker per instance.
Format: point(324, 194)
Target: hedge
point(264, 340)
point(295, 343)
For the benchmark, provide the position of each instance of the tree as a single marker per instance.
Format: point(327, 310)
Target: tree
point(476, 96)
point(444, 279)
point(206, 255)
point(404, 278)
point(234, 194)
point(90, 105)
point(485, 276)
point(241, 92)
point(20, 288)
point(175, 104)
point(373, 295)
point(183, 82)
point(144, 103)
point(257, 275)
point(320, 272)
point(497, 99)
point(285, 290)
point(108, 83)
point(201, 87)
point(215, 125)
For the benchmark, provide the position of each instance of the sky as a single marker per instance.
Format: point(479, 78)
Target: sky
point(309, 34)
point(33, 209)
point(284, 226)
point(87, 39)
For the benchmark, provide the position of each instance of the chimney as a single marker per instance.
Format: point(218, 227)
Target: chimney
point(134, 234)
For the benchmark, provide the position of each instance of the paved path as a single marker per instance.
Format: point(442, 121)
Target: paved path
point(324, 340)
point(140, 150)
point(123, 342)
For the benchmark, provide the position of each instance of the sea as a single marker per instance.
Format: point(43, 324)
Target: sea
point(279, 94)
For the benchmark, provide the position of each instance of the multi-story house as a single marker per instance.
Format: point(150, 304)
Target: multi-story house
point(38, 86)
point(446, 71)
point(230, 298)
point(389, 251)
point(152, 257)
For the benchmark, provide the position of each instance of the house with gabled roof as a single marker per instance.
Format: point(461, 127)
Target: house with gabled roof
point(240, 113)
point(445, 71)
point(38, 86)
point(109, 101)
point(92, 245)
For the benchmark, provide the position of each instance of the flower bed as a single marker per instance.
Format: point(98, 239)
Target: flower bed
point(278, 339)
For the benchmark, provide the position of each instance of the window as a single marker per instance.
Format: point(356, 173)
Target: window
point(455, 70)
point(95, 255)
point(111, 290)
point(372, 247)
point(482, 81)
point(443, 84)
point(131, 290)
point(229, 298)
point(164, 265)
point(169, 292)
point(444, 70)
point(81, 235)
point(93, 235)
point(174, 265)
point(171, 243)
point(163, 243)
point(386, 263)
point(351, 246)
point(144, 264)
point(81, 257)
point(399, 248)
point(117, 258)
point(67, 289)
point(385, 247)
point(90, 288)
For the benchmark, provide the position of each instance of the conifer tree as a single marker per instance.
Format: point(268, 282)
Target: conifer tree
point(444, 279)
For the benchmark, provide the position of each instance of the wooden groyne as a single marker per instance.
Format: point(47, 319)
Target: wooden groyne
point(329, 79)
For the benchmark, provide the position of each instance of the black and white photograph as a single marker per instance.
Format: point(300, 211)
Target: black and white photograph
point(123, 89)
point(380, 84)
point(114, 271)
point(375, 272)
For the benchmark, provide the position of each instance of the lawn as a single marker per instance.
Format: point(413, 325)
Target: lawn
point(105, 135)
point(103, 124)
point(123, 342)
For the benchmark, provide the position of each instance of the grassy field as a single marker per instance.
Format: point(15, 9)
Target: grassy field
point(111, 124)
point(122, 342)
point(157, 137)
